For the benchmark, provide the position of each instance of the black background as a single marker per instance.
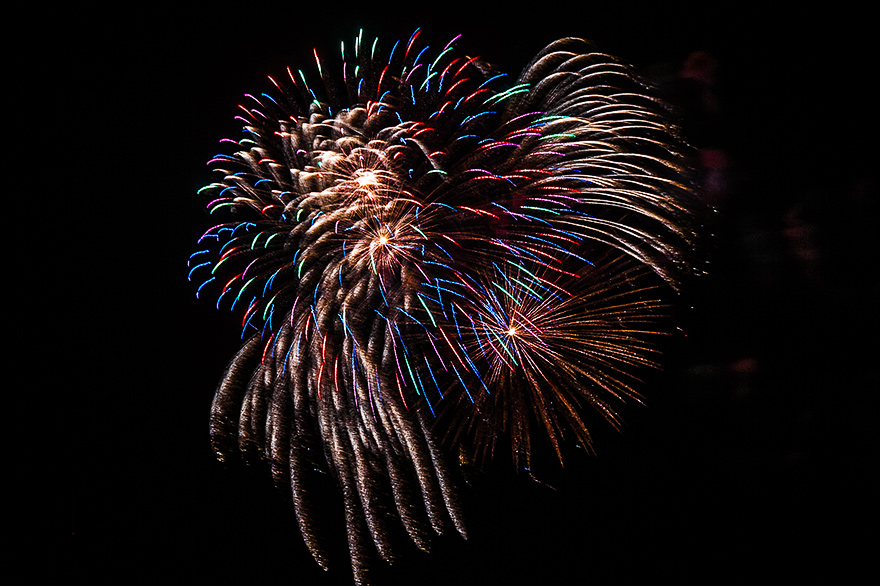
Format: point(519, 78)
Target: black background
point(753, 455)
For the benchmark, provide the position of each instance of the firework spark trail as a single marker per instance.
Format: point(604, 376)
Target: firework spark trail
point(418, 234)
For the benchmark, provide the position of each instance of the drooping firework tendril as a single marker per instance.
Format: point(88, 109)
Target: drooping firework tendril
point(417, 235)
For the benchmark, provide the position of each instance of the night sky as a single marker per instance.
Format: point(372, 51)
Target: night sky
point(752, 454)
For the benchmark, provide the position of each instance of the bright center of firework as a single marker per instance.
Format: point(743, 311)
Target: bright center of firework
point(383, 239)
point(511, 331)
point(367, 178)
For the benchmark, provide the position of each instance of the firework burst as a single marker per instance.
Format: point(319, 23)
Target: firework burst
point(417, 234)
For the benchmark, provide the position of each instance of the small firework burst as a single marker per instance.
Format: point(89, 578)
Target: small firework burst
point(418, 233)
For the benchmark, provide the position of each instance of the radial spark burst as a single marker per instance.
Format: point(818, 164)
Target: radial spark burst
point(415, 235)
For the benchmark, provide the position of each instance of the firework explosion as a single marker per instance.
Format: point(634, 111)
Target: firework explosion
point(430, 257)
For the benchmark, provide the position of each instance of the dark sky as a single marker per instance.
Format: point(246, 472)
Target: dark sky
point(750, 456)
